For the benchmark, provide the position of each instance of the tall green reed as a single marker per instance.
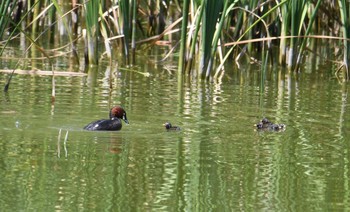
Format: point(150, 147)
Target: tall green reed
point(345, 15)
point(308, 31)
point(92, 28)
point(252, 6)
point(36, 11)
point(216, 28)
point(71, 31)
point(105, 30)
point(182, 59)
point(293, 14)
point(238, 41)
point(33, 43)
point(297, 14)
point(212, 10)
point(133, 32)
point(213, 28)
point(125, 23)
point(6, 8)
point(206, 21)
point(194, 37)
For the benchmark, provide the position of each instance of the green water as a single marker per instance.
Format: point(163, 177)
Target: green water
point(217, 162)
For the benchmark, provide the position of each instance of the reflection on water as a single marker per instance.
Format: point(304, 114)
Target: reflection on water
point(216, 162)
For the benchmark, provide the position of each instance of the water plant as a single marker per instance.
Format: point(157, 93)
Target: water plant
point(344, 7)
point(6, 8)
point(212, 32)
point(91, 9)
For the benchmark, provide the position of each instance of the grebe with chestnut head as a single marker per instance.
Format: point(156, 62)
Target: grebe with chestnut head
point(116, 114)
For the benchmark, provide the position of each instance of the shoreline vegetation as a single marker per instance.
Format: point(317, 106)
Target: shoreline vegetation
point(203, 35)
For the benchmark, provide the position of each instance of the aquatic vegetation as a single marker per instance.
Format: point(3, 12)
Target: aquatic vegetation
point(5, 9)
point(91, 9)
point(210, 33)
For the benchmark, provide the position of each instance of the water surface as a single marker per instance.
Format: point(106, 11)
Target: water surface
point(216, 162)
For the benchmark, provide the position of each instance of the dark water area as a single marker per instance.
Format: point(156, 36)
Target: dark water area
point(218, 161)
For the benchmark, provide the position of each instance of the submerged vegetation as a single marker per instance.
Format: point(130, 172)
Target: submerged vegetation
point(206, 34)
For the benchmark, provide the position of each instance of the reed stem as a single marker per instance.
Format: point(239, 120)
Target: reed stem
point(182, 55)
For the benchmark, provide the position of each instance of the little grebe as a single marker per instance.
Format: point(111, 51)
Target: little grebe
point(111, 124)
point(265, 124)
point(169, 127)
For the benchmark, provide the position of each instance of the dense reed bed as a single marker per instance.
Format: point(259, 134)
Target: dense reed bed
point(206, 34)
